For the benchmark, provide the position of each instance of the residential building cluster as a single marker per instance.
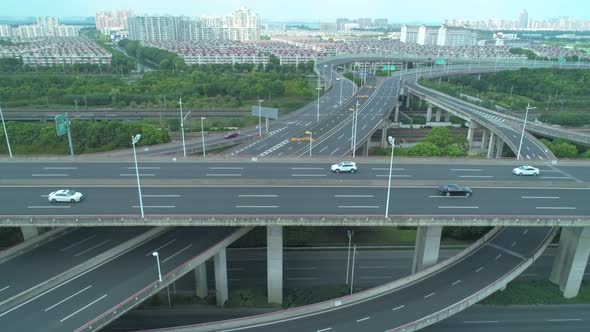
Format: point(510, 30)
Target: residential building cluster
point(46, 27)
point(523, 22)
point(54, 51)
point(241, 25)
point(444, 35)
point(108, 20)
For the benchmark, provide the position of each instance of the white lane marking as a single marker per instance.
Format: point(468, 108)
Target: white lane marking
point(480, 322)
point(145, 167)
point(429, 295)
point(555, 177)
point(324, 148)
point(525, 231)
point(498, 257)
point(466, 169)
point(393, 176)
point(84, 307)
point(555, 208)
point(48, 207)
point(155, 206)
point(91, 248)
point(456, 282)
point(479, 270)
point(308, 175)
point(565, 320)
point(160, 247)
point(358, 206)
point(225, 168)
point(340, 137)
point(324, 330)
point(5, 288)
point(54, 175)
point(458, 207)
point(302, 278)
point(362, 319)
point(77, 243)
point(335, 150)
point(301, 268)
point(400, 307)
point(262, 196)
point(133, 174)
point(387, 169)
point(373, 267)
point(226, 174)
point(527, 274)
point(354, 196)
point(257, 206)
point(377, 277)
point(308, 168)
point(540, 197)
point(476, 176)
point(235, 269)
point(178, 252)
point(513, 244)
point(162, 196)
point(67, 298)
point(60, 167)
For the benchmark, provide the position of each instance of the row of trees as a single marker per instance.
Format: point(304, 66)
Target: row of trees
point(40, 138)
point(156, 56)
point(439, 142)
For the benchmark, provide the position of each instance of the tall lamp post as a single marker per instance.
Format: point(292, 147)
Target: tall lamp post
point(354, 125)
point(260, 117)
point(350, 234)
point(318, 108)
point(310, 140)
point(203, 135)
point(5, 133)
point(392, 142)
point(182, 127)
point(340, 79)
point(134, 140)
point(155, 254)
point(352, 273)
point(526, 115)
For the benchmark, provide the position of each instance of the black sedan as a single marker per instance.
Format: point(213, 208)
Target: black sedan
point(454, 190)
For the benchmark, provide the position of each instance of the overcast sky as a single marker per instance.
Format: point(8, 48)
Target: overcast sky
point(311, 10)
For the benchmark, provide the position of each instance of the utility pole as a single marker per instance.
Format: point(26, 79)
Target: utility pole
point(526, 115)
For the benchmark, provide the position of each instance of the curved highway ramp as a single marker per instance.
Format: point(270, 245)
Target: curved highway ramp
point(414, 302)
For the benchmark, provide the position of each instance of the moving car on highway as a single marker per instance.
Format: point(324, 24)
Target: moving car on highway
point(233, 134)
point(526, 170)
point(65, 195)
point(454, 190)
point(345, 166)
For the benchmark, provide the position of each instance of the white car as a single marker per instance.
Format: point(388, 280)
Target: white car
point(526, 170)
point(65, 195)
point(345, 166)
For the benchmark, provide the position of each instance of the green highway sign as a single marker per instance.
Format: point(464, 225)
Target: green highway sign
point(561, 60)
point(440, 62)
point(386, 67)
point(61, 124)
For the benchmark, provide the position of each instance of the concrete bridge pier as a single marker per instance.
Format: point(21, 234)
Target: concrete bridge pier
point(201, 288)
point(428, 112)
point(484, 137)
point(384, 128)
point(396, 114)
point(447, 117)
point(221, 291)
point(29, 232)
point(427, 247)
point(499, 148)
point(570, 263)
point(274, 255)
point(472, 125)
point(408, 97)
point(437, 115)
point(491, 145)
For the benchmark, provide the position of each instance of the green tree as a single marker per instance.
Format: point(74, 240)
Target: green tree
point(425, 149)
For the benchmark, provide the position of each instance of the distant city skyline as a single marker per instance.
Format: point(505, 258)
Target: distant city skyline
point(312, 10)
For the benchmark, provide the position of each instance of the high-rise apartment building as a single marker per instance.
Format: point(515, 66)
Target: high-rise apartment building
point(409, 34)
point(243, 25)
point(523, 19)
point(108, 20)
point(438, 35)
point(153, 27)
point(456, 36)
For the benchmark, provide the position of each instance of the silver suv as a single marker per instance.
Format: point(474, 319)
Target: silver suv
point(345, 166)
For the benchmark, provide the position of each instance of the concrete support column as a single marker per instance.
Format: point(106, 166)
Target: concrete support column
point(220, 262)
point(201, 289)
point(499, 148)
point(396, 115)
point(29, 232)
point(437, 115)
point(470, 134)
point(484, 136)
point(408, 97)
point(274, 256)
point(447, 117)
point(366, 147)
point(384, 133)
point(491, 145)
point(429, 113)
point(427, 247)
point(570, 263)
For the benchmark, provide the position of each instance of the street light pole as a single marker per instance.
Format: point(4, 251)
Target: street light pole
point(392, 142)
point(203, 135)
point(340, 79)
point(155, 254)
point(349, 233)
point(69, 127)
point(182, 127)
point(355, 124)
point(260, 117)
point(352, 273)
point(5, 133)
point(528, 107)
point(318, 108)
point(134, 140)
point(310, 140)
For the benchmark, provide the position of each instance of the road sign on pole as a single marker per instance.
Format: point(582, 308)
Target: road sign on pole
point(390, 68)
point(61, 124)
point(440, 61)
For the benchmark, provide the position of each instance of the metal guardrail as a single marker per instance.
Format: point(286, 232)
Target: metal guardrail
point(334, 303)
point(156, 286)
point(479, 295)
